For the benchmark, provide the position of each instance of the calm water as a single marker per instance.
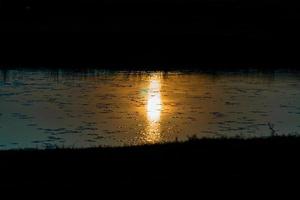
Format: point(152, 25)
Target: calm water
point(44, 108)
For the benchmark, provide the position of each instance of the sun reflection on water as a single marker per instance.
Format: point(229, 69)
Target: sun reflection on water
point(153, 109)
point(154, 101)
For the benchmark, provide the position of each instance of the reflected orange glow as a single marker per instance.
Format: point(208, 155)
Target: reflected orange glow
point(153, 109)
point(154, 105)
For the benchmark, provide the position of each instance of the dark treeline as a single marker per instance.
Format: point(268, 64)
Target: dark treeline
point(149, 32)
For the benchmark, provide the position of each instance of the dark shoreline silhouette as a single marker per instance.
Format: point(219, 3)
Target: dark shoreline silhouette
point(204, 161)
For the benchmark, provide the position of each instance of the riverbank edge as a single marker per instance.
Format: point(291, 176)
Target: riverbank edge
point(212, 161)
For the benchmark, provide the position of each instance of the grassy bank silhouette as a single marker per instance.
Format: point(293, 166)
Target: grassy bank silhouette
point(178, 162)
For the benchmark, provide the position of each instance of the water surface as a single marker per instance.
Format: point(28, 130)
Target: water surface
point(48, 108)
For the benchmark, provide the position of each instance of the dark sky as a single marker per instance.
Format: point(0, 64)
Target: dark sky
point(153, 31)
point(227, 17)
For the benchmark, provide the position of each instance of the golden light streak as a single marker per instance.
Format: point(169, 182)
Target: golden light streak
point(153, 109)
